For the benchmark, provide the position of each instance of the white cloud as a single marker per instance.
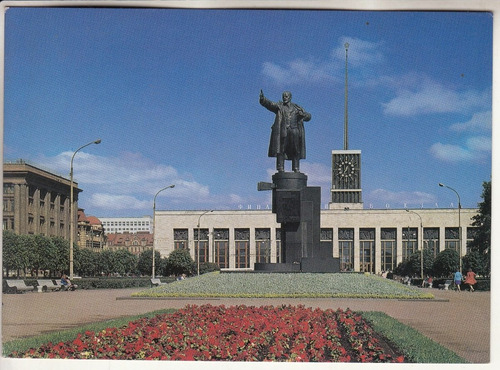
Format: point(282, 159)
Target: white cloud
point(476, 148)
point(480, 122)
point(118, 202)
point(428, 96)
point(479, 144)
point(450, 152)
point(402, 198)
point(361, 54)
point(128, 181)
point(297, 71)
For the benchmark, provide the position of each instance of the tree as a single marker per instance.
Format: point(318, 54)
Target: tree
point(85, 262)
point(179, 262)
point(482, 237)
point(446, 263)
point(106, 262)
point(145, 262)
point(44, 252)
point(15, 253)
point(411, 266)
point(475, 261)
point(125, 261)
point(415, 265)
point(61, 261)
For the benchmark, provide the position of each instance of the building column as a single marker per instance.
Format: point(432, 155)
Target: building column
point(335, 243)
point(463, 239)
point(399, 246)
point(232, 249)
point(252, 247)
point(378, 251)
point(272, 245)
point(211, 241)
point(442, 236)
point(20, 209)
point(192, 248)
point(356, 249)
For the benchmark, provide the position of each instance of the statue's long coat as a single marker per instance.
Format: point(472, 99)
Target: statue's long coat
point(278, 130)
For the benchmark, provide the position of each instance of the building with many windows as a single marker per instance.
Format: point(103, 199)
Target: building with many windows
point(127, 224)
point(90, 232)
point(136, 243)
point(370, 240)
point(36, 201)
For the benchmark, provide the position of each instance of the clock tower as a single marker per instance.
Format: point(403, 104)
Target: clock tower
point(346, 168)
point(346, 180)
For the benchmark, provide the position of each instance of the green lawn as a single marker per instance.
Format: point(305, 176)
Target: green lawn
point(299, 285)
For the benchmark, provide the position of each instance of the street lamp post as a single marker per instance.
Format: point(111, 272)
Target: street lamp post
point(421, 236)
point(198, 248)
point(71, 217)
point(459, 226)
point(154, 226)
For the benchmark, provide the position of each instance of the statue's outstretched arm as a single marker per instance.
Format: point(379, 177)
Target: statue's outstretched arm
point(266, 103)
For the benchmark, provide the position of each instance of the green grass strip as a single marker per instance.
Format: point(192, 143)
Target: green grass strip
point(415, 346)
point(70, 334)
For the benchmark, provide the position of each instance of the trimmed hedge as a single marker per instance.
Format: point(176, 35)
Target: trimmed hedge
point(108, 282)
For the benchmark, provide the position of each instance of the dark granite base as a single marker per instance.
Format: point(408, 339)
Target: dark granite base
point(316, 265)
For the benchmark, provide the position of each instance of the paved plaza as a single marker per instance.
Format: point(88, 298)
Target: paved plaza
point(458, 321)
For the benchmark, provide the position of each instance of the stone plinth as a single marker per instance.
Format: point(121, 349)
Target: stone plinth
point(297, 208)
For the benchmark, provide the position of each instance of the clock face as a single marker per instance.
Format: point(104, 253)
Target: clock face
point(346, 169)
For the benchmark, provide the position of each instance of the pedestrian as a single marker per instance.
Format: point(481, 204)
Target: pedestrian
point(458, 279)
point(67, 284)
point(470, 279)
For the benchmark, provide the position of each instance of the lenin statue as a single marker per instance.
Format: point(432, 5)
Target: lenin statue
point(287, 133)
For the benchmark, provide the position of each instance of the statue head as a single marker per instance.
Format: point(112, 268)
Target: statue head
point(287, 97)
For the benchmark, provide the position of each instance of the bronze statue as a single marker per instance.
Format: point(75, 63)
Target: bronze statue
point(287, 133)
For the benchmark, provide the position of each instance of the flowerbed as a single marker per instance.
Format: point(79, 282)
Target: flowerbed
point(237, 333)
point(303, 285)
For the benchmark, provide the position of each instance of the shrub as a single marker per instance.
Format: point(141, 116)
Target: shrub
point(446, 263)
point(206, 267)
point(116, 283)
point(145, 262)
point(179, 262)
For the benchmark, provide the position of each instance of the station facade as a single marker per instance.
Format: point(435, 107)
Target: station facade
point(369, 240)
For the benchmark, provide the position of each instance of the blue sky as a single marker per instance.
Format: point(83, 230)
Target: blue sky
point(173, 94)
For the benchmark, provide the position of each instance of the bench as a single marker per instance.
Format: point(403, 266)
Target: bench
point(157, 282)
point(17, 286)
point(446, 285)
point(46, 285)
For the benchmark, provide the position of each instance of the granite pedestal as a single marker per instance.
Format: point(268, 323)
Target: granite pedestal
point(297, 208)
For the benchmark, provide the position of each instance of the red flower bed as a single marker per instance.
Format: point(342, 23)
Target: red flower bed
point(237, 333)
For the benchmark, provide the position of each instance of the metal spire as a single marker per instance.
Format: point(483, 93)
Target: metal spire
point(346, 136)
